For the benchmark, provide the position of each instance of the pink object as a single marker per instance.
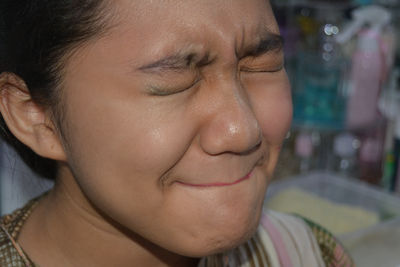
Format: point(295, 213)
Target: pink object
point(365, 81)
point(304, 145)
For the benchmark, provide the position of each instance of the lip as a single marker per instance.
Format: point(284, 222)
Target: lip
point(218, 184)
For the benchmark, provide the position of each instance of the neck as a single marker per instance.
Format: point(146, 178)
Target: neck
point(68, 227)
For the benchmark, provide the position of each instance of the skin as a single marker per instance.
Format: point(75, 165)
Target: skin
point(164, 164)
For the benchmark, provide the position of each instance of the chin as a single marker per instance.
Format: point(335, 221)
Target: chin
point(223, 242)
point(224, 236)
point(214, 220)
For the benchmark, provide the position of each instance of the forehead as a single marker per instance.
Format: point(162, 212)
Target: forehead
point(179, 9)
point(171, 18)
point(145, 31)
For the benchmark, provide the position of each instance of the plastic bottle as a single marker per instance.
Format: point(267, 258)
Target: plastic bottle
point(368, 65)
point(317, 95)
point(365, 80)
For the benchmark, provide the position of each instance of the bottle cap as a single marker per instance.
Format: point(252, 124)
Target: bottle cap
point(373, 16)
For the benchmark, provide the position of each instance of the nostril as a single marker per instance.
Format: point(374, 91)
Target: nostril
point(252, 149)
point(234, 131)
point(239, 141)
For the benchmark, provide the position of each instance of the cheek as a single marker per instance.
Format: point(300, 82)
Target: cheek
point(118, 145)
point(272, 104)
point(119, 154)
point(127, 147)
point(116, 126)
point(273, 109)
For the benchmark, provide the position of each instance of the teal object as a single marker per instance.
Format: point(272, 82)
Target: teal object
point(364, 2)
point(318, 96)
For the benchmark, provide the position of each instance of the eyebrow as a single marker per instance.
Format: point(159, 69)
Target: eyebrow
point(182, 60)
point(178, 62)
point(267, 43)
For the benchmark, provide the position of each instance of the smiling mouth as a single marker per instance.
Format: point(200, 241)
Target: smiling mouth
point(217, 184)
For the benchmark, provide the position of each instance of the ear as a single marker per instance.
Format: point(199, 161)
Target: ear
point(29, 122)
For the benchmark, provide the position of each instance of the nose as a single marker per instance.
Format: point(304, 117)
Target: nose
point(231, 125)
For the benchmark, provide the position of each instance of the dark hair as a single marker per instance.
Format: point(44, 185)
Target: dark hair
point(36, 37)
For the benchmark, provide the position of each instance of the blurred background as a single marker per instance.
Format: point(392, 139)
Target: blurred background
point(340, 164)
point(343, 61)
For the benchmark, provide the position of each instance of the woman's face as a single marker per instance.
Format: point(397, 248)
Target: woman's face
point(175, 118)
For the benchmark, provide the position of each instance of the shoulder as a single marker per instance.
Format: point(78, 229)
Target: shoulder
point(11, 254)
point(302, 242)
point(333, 252)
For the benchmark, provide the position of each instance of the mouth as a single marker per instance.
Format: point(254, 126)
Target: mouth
point(217, 184)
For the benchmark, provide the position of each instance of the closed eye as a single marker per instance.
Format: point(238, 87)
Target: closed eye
point(166, 91)
point(269, 62)
point(256, 70)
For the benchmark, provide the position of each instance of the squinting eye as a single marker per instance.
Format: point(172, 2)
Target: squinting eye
point(261, 69)
point(165, 91)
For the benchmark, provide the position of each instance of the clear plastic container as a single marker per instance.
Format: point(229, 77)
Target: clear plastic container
point(376, 245)
point(351, 192)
